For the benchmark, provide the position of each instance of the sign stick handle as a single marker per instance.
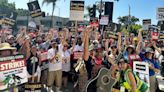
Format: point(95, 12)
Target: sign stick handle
point(33, 71)
point(15, 89)
point(76, 29)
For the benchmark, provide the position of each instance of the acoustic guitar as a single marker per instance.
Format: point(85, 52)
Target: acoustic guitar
point(104, 81)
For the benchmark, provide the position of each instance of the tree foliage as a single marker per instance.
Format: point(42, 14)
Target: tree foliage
point(22, 12)
point(53, 2)
point(125, 20)
point(129, 24)
point(6, 7)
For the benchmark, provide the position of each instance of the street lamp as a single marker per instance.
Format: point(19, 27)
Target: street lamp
point(59, 23)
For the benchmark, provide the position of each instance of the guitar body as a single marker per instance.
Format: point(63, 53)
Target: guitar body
point(103, 82)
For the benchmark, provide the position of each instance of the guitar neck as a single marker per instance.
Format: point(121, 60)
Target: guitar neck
point(120, 55)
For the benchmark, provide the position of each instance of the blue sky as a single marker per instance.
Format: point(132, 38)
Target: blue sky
point(142, 9)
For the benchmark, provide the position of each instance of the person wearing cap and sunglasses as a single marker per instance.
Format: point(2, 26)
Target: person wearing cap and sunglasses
point(153, 67)
point(55, 67)
point(128, 79)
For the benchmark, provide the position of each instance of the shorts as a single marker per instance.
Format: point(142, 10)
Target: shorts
point(65, 74)
point(54, 76)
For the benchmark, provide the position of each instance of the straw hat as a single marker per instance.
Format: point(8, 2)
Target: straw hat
point(6, 46)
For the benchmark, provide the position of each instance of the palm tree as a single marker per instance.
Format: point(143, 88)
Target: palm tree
point(125, 20)
point(53, 2)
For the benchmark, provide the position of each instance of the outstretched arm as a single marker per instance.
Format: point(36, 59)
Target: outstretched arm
point(86, 43)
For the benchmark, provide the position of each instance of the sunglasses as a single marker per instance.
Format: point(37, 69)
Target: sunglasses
point(65, 46)
point(114, 47)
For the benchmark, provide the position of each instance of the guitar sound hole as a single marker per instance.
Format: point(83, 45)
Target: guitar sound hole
point(106, 79)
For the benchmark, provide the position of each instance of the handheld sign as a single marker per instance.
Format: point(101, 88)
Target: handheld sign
point(94, 22)
point(44, 60)
point(77, 55)
point(142, 70)
point(160, 13)
point(10, 18)
point(77, 10)
point(154, 35)
point(104, 20)
point(34, 9)
point(12, 71)
point(146, 23)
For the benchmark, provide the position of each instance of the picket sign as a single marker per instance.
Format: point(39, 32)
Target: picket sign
point(13, 71)
point(154, 35)
point(142, 69)
point(78, 55)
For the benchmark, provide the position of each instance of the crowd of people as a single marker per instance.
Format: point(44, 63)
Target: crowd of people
point(56, 54)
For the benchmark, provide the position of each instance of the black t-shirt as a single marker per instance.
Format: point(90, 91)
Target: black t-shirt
point(30, 63)
point(89, 66)
point(18, 46)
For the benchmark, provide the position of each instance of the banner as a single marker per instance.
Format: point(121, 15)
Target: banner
point(77, 10)
point(34, 9)
point(146, 23)
point(160, 13)
point(142, 70)
point(12, 71)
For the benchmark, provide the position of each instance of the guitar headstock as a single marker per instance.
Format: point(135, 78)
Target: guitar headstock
point(120, 55)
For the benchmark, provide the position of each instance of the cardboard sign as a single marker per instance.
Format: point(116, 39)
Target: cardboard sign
point(34, 9)
point(10, 18)
point(104, 20)
point(94, 22)
point(43, 56)
point(77, 55)
point(161, 35)
point(146, 23)
point(154, 35)
point(12, 71)
point(81, 26)
point(142, 70)
point(160, 13)
point(77, 10)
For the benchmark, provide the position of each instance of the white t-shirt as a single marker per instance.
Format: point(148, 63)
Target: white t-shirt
point(66, 65)
point(54, 66)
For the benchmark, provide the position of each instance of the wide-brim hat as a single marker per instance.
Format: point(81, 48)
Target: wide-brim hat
point(6, 46)
point(131, 46)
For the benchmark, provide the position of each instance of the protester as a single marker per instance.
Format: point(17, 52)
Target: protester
point(130, 80)
point(55, 68)
point(64, 51)
point(153, 67)
point(6, 50)
point(33, 65)
point(66, 64)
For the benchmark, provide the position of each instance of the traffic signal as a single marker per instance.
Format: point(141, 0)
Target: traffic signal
point(109, 10)
point(92, 11)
